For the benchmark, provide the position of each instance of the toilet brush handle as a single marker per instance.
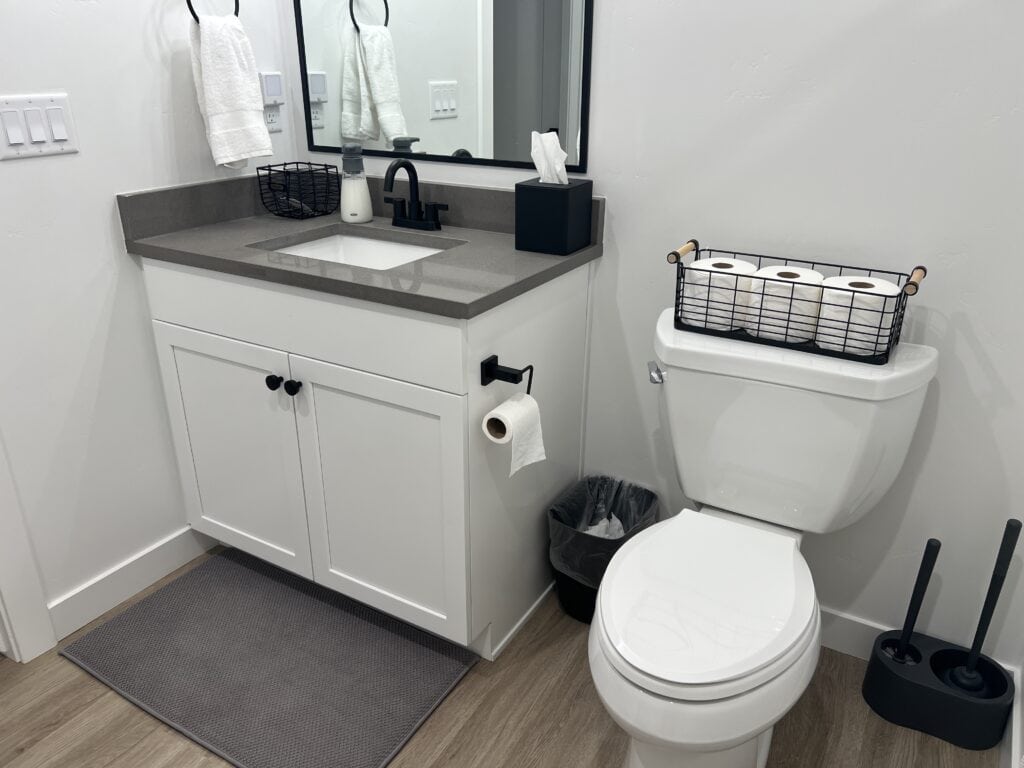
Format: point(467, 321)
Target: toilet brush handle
point(995, 586)
point(924, 575)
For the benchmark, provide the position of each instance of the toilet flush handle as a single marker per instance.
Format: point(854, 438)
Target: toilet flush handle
point(655, 373)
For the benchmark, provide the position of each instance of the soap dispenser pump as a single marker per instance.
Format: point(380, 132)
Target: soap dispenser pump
point(356, 207)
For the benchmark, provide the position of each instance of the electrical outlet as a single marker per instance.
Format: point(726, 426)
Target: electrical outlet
point(272, 115)
point(316, 115)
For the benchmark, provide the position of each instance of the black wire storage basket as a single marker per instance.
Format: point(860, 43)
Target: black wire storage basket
point(857, 317)
point(300, 190)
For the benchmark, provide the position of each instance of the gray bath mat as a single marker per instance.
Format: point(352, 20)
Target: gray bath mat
point(270, 671)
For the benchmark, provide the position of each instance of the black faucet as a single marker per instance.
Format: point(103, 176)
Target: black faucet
point(410, 213)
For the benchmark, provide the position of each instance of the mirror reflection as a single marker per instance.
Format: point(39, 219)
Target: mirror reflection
point(462, 79)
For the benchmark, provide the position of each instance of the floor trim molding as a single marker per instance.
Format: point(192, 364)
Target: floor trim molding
point(849, 634)
point(95, 597)
point(522, 622)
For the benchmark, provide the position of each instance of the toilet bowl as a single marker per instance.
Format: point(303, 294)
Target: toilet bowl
point(707, 628)
point(706, 632)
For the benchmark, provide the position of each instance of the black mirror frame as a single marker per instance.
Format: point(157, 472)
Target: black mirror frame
point(580, 167)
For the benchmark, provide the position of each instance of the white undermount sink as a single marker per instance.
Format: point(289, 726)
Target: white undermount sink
point(360, 251)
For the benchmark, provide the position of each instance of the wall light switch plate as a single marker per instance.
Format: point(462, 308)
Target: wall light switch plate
point(444, 99)
point(36, 125)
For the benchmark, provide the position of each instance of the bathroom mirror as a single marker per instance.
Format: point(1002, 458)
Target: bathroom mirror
point(470, 79)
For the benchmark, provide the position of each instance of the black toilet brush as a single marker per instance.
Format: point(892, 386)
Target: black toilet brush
point(930, 685)
point(966, 677)
point(924, 575)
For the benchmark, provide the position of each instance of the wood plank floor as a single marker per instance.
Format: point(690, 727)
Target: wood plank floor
point(533, 708)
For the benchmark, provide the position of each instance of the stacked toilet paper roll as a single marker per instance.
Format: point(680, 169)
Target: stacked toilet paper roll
point(716, 292)
point(784, 303)
point(857, 314)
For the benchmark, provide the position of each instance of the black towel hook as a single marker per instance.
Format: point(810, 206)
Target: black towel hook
point(352, 14)
point(196, 16)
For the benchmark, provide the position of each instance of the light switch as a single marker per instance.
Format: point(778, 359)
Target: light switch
point(444, 101)
point(58, 128)
point(12, 127)
point(317, 87)
point(36, 125)
point(34, 121)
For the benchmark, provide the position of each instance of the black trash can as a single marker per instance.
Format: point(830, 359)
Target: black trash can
point(579, 558)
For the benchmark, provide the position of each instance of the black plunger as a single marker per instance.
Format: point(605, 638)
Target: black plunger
point(967, 678)
point(924, 575)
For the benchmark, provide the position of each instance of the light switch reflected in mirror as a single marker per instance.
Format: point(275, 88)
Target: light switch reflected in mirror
point(471, 79)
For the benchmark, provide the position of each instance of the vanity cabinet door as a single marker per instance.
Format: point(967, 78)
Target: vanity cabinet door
point(236, 445)
point(384, 468)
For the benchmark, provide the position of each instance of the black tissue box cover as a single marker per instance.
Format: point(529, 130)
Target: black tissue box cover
point(553, 218)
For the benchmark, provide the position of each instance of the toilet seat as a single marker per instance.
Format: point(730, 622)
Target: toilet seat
point(699, 607)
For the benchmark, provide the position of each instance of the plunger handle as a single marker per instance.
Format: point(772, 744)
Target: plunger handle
point(924, 575)
point(995, 586)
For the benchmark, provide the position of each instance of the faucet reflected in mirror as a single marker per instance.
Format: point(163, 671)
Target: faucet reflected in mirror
point(410, 213)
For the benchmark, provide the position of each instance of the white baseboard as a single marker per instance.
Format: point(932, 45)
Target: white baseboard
point(95, 597)
point(852, 635)
point(521, 623)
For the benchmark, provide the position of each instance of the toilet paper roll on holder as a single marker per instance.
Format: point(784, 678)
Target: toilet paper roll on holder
point(491, 370)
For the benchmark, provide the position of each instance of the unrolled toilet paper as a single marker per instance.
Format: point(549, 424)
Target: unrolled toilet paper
point(784, 305)
point(716, 292)
point(857, 314)
point(517, 420)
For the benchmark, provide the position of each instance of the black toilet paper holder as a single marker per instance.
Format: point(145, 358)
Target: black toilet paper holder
point(491, 370)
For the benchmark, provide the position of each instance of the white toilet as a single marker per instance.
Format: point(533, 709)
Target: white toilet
point(707, 627)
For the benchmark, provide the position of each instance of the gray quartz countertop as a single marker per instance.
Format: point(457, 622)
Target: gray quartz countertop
point(476, 270)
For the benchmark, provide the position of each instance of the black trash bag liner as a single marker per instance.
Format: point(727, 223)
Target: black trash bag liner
point(584, 557)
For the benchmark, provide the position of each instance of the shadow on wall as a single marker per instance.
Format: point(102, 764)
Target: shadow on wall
point(852, 563)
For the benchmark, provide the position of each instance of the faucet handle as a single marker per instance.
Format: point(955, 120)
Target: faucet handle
point(399, 207)
point(432, 212)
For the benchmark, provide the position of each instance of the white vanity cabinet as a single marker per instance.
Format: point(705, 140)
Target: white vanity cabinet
point(373, 478)
point(383, 462)
point(236, 445)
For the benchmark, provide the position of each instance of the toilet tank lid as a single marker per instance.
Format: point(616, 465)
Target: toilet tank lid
point(910, 366)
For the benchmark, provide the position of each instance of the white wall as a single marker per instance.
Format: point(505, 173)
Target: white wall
point(81, 414)
point(891, 133)
point(433, 41)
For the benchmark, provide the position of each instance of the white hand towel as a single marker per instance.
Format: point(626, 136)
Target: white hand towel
point(228, 90)
point(382, 73)
point(358, 121)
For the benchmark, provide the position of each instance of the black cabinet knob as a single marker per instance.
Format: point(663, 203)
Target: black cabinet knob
point(292, 387)
point(273, 382)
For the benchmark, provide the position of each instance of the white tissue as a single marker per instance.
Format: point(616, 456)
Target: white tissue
point(549, 157)
point(608, 528)
point(784, 306)
point(860, 322)
point(517, 420)
point(716, 292)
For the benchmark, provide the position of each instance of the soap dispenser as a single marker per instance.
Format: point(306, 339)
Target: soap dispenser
point(356, 207)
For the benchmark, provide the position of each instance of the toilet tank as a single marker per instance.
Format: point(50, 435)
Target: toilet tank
point(795, 439)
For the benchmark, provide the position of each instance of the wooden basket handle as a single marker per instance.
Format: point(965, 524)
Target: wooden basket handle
point(674, 257)
point(913, 284)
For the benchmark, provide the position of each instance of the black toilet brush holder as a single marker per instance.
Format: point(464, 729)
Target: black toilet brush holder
point(954, 693)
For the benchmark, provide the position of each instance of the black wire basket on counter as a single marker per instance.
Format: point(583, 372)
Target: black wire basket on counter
point(300, 190)
point(855, 314)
